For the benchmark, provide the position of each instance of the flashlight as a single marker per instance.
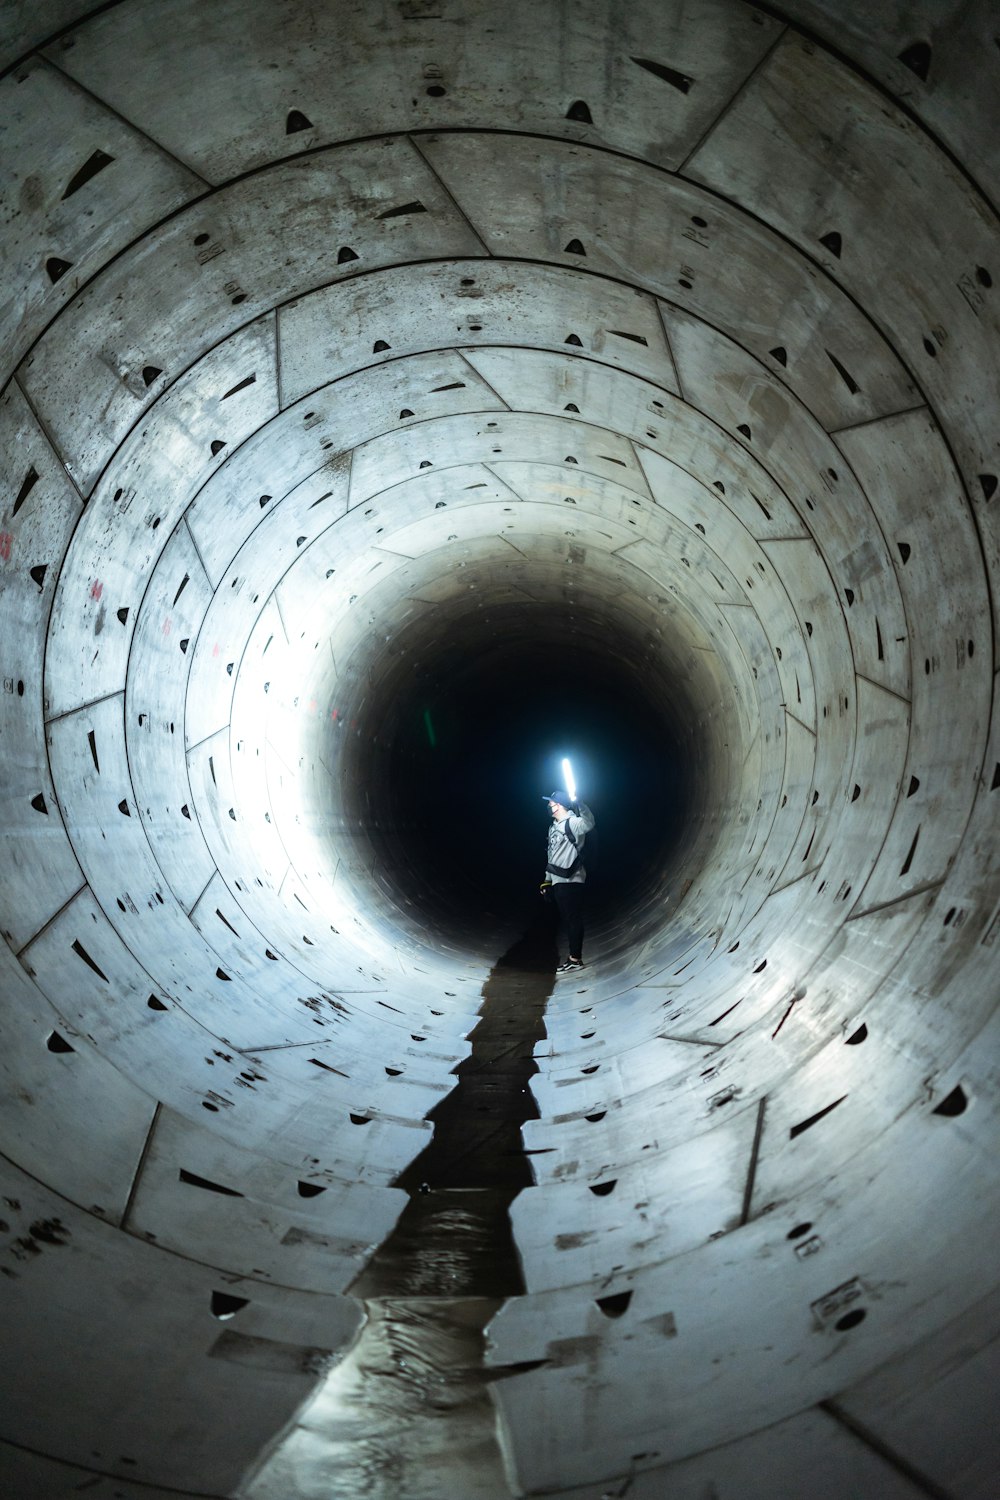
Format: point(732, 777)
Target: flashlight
point(567, 770)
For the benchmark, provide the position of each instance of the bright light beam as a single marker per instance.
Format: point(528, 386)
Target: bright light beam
point(568, 778)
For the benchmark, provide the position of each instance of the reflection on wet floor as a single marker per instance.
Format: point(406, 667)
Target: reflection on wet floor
point(449, 1242)
point(407, 1415)
point(454, 1238)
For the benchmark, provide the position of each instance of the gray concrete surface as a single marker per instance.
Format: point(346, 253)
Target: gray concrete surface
point(340, 340)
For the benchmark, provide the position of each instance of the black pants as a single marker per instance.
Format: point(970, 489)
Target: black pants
point(568, 896)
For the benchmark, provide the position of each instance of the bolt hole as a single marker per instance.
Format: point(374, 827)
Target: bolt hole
point(953, 1104)
point(225, 1305)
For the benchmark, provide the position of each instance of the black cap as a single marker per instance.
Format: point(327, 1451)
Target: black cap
point(560, 795)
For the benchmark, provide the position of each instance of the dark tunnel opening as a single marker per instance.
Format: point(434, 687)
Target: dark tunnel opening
point(469, 742)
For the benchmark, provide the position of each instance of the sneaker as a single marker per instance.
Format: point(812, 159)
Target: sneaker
point(569, 965)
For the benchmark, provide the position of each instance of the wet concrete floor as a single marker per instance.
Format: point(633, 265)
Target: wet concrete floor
point(407, 1414)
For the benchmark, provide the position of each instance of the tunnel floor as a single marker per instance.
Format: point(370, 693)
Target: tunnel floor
point(407, 1415)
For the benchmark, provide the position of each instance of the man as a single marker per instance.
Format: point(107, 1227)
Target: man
point(564, 872)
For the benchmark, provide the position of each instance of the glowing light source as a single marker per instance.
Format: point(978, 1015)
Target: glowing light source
point(567, 770)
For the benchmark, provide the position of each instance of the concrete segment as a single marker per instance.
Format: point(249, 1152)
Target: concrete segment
point(354, 350)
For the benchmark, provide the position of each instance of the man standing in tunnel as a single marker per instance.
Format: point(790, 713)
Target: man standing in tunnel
point(565, 873)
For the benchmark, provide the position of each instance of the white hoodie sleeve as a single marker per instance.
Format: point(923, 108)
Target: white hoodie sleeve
point(581, 822)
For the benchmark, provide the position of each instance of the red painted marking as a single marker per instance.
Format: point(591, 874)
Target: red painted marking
point(6, 545)
point(215, 649)
point(335, 714)
point(96, 589)
point(312, 705)
point(167, 626)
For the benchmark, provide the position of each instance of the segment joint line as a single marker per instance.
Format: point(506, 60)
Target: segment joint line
point(800, 722)
point(883, 688)
point(67, 713)
point(190, 749)
point(201, 896)
point(281, 618)
point(917, 890)
point(757, 68)
point(49, 921)
point(675, 367)
point(430, 167)
point(503, 405)
point(207, 187)
point(139, 1167)
point(872, 1441)
point(885, 416)
point(752, 1168)
point(197, 552)
point(46, 432)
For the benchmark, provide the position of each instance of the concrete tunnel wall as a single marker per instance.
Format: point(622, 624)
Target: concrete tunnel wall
point(336, 339)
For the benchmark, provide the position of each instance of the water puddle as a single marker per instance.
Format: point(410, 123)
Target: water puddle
point(407, 1414)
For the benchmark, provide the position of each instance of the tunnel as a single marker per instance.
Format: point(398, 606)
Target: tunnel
point(398, 396)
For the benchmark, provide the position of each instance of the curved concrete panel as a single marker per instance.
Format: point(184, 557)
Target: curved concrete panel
point(354, 354)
